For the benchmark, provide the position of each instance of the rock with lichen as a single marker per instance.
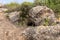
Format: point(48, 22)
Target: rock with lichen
point(39, 14)
point(13, 16)
point(42, 33)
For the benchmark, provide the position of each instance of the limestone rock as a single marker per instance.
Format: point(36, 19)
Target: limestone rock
point(29, 33)
point(13, 16)
point(38, 14)
point(42, 33)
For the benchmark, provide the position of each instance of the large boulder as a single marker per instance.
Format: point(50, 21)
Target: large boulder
point(42, 33)
point(39, 14)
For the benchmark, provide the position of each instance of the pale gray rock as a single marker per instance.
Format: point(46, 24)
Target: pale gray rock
point(38, 14)
point(42, 33)
point(13, 16)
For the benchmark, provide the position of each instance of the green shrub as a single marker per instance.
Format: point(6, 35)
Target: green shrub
point(25, 7)
point(53, 4)
point(13, 6)
point(47, 22)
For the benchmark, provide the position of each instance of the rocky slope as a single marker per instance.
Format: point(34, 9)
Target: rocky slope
point(8, 31)
point(42, 33)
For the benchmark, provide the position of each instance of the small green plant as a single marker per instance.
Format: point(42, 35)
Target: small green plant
point(46, 22)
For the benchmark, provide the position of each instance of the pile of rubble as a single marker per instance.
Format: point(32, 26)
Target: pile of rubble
point(42, 33)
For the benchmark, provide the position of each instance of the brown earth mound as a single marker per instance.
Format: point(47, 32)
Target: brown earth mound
point(8, 31)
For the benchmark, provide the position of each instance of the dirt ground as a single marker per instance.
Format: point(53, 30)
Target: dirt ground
point(9, 31)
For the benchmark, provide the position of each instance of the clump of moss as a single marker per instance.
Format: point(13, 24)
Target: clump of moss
point(47, 22)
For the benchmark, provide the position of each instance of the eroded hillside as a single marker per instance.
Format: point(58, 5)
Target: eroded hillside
point(8, 31)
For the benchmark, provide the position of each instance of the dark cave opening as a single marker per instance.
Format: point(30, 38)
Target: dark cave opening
point(30, 24)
